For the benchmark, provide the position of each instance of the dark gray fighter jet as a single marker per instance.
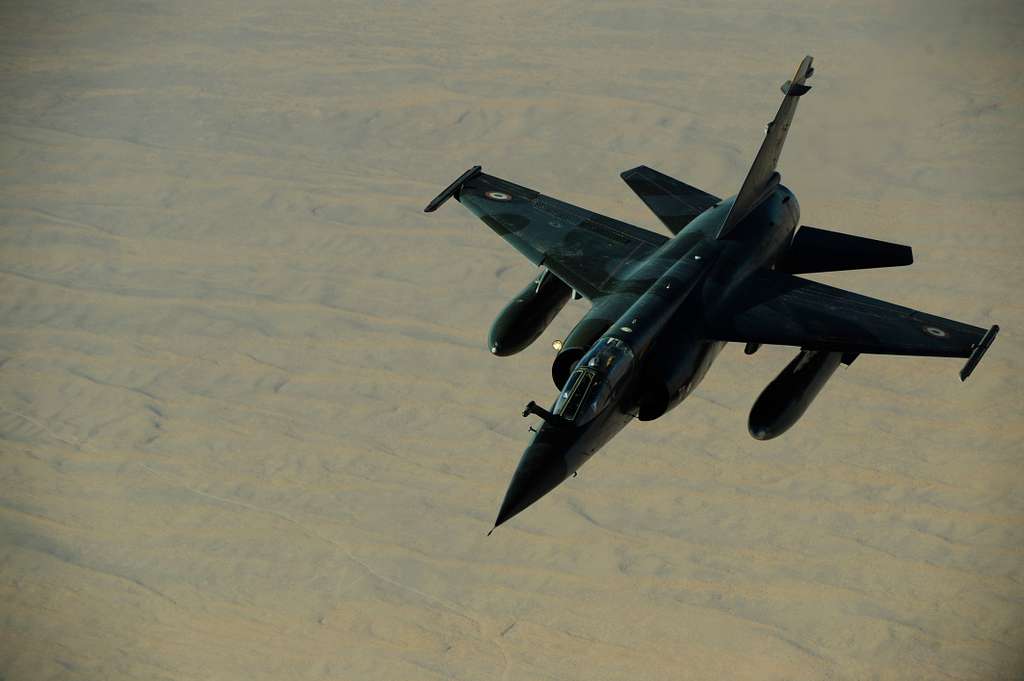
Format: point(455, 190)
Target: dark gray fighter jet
point(663, 308)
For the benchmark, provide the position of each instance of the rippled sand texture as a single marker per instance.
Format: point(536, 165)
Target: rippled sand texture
point(250, 428)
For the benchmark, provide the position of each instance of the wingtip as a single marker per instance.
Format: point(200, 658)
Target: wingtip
point(979, 351)
point(452, 189)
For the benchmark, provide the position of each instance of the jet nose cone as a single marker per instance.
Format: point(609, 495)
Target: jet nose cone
point(540, 470)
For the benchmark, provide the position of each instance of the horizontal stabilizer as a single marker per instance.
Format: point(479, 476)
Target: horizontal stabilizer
point(675, 203)
point(821, 250)
point(788, 88)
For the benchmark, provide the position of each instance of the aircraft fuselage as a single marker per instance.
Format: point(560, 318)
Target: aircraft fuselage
point(663, 309)
point(654, 352)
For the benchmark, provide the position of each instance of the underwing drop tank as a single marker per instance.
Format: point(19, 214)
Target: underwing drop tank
point(786, 398)
point(529, 313)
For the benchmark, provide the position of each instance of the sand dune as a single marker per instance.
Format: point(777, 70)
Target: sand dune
point(249, 426)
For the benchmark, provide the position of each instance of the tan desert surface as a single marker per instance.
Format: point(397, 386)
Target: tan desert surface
point(249, 425)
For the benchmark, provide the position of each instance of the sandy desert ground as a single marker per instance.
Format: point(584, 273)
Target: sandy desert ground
point(250, 428)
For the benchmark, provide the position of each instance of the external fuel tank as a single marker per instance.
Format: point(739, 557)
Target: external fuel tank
point(786, 398)
point(529, 313)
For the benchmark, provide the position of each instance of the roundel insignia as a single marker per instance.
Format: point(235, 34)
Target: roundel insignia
point(935, 331)
point(498, 196)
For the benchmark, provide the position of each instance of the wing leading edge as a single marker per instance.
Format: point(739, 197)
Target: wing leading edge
point(775, 308)
point(584, 249)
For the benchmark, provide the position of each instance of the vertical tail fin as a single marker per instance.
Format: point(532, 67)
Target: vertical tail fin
point(762, 177)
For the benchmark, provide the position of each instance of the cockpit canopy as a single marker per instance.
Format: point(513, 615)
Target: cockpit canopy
point(594, 381)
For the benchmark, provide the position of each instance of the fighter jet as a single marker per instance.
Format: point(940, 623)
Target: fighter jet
point(663, 308)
